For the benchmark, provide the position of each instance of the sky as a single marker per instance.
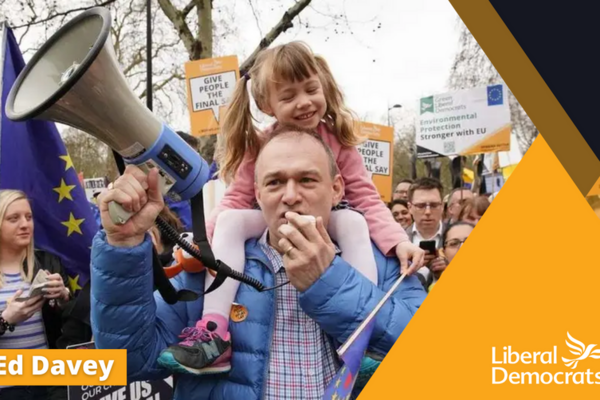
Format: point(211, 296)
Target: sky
point(408, 57)
point(398, 51)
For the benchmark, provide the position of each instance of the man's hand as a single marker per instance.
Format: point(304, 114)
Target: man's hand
point(438, 265)
point(308, 250)
point(429, 258)
point(136, 193)
point(407, 251)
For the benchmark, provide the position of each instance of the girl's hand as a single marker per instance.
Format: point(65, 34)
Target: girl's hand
point(20, 311)
point(406, 251)
point(55, 288)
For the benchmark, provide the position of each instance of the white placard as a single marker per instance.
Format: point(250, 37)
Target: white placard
point(471, 121)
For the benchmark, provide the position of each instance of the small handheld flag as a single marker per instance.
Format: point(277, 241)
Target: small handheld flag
point(352, 352)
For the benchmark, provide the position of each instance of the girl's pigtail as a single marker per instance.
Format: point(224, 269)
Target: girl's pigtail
point(238, 135)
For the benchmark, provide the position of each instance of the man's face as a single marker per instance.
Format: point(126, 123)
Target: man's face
point(401, 191)
point(426, 209)
point(293, 174)
point(455, 202)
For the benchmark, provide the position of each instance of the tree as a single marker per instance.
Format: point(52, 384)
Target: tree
point(200, 44)
point(472, 68)
point(182, 30)
point(404, 145)
point(91, 157)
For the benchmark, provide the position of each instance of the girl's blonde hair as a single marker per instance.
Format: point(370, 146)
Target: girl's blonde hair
point(291, 62)
point(7, 197)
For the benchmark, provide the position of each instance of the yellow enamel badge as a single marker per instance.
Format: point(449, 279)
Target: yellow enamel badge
point(238, 313)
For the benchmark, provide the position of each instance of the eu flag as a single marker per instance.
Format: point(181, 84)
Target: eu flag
point(343, 382)
point(34, 159)
point(495, 95)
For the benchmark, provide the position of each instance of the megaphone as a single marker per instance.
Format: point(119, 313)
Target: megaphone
point(75, 79)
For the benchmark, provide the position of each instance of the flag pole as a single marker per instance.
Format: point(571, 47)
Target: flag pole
point(3, 35)
point(362, 326)
point(149, 93)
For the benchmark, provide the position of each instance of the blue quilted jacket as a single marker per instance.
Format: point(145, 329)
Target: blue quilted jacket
point(127, 314)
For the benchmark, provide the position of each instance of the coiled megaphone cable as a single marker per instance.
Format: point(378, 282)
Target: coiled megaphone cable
point(218, 266)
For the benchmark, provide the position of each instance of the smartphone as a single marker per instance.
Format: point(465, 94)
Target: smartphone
point(428, 245)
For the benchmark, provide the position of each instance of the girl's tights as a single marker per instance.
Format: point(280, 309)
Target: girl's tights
point(234, 227)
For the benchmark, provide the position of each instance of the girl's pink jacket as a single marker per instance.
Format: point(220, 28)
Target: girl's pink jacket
point(360, 192)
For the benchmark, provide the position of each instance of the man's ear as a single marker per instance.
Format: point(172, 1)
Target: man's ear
point(338, 189)
point(257, 194)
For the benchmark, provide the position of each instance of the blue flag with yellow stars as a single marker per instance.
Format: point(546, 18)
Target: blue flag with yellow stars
point(34, 159)
point(343, 382)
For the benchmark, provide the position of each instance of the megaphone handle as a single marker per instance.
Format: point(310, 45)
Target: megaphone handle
point(118, 215)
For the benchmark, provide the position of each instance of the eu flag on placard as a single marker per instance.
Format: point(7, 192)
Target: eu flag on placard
point(34, 159)
point(495, 95)
point(343, 382)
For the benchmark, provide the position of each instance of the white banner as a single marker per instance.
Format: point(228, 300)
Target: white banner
point(471, 121)
point(92, 186)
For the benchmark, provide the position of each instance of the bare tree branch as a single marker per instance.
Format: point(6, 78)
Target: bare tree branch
point(203, 47)
point(157, 87)
point(256, 17)
point(117, 29)
point(138, 58)
point(283, 25)
point(186, 10)
point(178, 20)
point(30, 5)
point(62, 14)
point(23, 35)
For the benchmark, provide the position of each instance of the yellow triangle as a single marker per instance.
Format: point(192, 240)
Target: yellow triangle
point(526, 276)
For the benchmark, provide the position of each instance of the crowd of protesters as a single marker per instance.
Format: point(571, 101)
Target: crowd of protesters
point(439, 224)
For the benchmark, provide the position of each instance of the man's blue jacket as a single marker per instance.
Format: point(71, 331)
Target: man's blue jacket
point(127, 314)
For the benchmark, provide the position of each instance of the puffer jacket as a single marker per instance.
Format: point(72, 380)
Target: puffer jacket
point(126, 314)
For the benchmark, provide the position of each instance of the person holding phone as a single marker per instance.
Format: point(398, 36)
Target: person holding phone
point(36, 322)
point(426, 206)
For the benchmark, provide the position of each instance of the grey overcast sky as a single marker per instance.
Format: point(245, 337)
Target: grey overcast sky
point(398, 51)
point(408, 57)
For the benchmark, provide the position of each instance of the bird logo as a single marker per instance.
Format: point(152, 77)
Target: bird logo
point(579, 349)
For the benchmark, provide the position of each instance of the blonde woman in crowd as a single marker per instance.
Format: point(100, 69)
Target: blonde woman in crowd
point(34, 323)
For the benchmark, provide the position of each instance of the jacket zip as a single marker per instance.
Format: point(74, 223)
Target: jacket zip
point(271, 327)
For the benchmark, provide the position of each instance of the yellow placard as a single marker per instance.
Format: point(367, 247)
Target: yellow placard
point(210, 84)
point(378, 155)
point(63, 367)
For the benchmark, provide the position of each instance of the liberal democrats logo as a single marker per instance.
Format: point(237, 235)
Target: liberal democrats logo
point(579, 349)
point(494, 95)
point(538, 373)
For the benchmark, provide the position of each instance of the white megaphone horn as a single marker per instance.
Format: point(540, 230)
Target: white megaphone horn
point(75, 79)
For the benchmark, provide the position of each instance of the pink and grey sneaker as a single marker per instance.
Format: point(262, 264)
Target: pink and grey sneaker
point(205, 349)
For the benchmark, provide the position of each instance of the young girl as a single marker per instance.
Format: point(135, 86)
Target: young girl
point(295, 87)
